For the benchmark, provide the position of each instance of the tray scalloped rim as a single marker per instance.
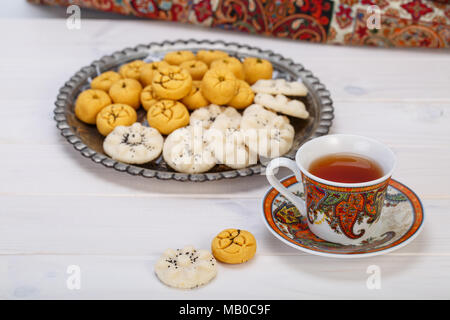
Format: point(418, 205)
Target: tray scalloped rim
point(96, 67)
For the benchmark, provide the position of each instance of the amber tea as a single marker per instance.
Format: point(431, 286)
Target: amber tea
point(346, 168)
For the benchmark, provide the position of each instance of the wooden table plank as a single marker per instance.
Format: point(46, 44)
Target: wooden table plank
point(139, 225)
point(349, 72)
point(60, 170)
point(421, 124)
point(418, 133)
point(265, 277)
point(58, 208)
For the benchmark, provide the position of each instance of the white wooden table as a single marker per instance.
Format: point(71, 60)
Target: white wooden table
point(59, 209)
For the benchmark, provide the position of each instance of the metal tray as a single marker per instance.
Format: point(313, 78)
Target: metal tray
point(86, 139)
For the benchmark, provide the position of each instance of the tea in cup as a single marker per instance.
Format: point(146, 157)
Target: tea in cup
point(345, 178)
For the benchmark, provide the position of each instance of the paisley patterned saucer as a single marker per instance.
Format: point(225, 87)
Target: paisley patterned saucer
point(400, 222)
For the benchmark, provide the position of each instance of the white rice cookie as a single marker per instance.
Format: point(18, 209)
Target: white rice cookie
point(282, 104)
point(229, 148)
point(266, 133)
point(186, 150)
point(229, 119)
point(186, 268)
point(135, 144)
point(204, 117)
point(227, 141)
point(280, 86)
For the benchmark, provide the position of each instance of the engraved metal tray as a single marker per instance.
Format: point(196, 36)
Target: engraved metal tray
point(86, 139)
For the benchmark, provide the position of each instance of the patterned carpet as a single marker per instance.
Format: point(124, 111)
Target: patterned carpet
point(384, 23)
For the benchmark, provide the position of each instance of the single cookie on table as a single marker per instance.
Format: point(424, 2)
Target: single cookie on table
point(195, 98)
point(132, 69)
point(282, 104)
point(219, 85)
point(196, 68)
point(257, 68)
point(186, 150)
point(280, 86)
point(167, 116)
point(178, 57)
point(105, 80)
point(186, 268)
point(148, 97)
point(147, 70)
point(231, 63)
point(208, 56)
point(266, 133)
point(113, 116)
point(244, 96)
point(171, 82)
point(126, 91)
point(134, 144)
point(234, 246)
point(89, 103)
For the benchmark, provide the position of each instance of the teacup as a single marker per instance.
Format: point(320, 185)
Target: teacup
point(343, 213)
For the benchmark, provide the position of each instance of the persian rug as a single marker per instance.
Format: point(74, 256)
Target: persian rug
point(384, 23)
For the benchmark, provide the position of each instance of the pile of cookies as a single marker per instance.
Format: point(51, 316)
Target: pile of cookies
point(195, 100)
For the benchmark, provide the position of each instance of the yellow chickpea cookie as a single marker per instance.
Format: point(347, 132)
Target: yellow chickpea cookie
point(171, 82)
point(115, 115)
point(232, 64)
point(167, 116)
point(177, 57)
point(147, 71)
point(219, 85)
point(233, 246)
point(132, 69)
point(89, 103)
point(208, 56)
point(244, 96)
point(195, 98)
point(256, 68)
point(127, 91)
point(105, 80)
point(197, 69)
point(148, 97)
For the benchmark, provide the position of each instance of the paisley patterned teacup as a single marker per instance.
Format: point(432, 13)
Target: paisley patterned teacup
point(343, 213)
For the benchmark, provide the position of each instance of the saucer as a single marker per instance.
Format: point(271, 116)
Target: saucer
point(400, 222)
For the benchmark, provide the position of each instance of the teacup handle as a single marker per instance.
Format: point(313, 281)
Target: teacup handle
point(287, 163)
